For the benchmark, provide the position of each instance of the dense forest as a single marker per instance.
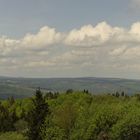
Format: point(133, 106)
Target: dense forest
point(71, 116)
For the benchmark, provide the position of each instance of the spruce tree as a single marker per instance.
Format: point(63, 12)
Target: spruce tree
point(36, 117)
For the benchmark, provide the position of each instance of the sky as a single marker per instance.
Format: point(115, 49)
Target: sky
point(70, 38)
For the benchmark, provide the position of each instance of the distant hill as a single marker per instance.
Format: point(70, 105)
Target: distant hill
point(25, 87)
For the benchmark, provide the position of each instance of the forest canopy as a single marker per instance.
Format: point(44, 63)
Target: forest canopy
point(71, 116)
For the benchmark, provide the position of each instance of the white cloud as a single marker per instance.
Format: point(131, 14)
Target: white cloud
point(89, 36)
point(45, 37)
point(90, 50)
point(30, 44)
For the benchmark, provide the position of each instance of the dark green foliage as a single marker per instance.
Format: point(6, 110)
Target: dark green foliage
point(36, 116)
point(138, 97)
point(7, 119)
point(4, 119)
point(117, 94)
point(69, 91)
point(50, 95)
point(128, 127)
point(86, 91)
point(122, 94)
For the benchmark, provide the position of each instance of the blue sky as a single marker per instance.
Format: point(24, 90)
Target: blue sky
point(18, 17)
point(70, 38)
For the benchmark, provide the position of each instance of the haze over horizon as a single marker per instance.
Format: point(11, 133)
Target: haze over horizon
point(77, 38)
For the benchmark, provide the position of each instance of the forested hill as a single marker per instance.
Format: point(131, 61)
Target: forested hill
point(25, 87)
point(70, 116)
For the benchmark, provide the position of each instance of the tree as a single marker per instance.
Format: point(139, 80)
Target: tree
point(69, 91)
point(36, 117)
point(86, 91)
point(117, 94)
point(128, 127)
point(11, 100)
point(4, 119)
point(122, 94)
point(66, 117)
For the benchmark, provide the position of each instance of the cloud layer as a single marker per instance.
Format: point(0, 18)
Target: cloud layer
point(100, 50)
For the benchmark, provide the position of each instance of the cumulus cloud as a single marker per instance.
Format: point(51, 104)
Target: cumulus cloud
point(90, 50)
point(89, 36)
point(45, 37)
point(102, 34)
point(31, 44)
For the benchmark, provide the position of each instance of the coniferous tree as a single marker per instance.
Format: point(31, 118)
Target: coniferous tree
point(36, 117)
point(122, 94)
point(117, 94)
point(69, 91)
point(4, 118)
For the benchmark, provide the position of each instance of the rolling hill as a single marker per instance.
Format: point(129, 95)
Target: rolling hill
point(25, 87)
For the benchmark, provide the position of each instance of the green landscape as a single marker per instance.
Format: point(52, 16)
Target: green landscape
point(69, 69)
point(71, 115)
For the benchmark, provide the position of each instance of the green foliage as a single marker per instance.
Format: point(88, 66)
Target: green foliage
point(74, 116)
point(21, 126)
point(36, 116)
point(128, 127)
point(69, 91)
point(11, 136)
point(65, 118)
point(54, 133)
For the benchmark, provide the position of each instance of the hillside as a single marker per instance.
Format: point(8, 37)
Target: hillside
point(24, 87)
